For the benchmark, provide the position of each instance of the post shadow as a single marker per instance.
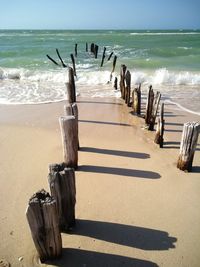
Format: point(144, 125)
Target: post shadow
point(106, 122)
point(126, 235)
point(98, 102)
point(78, 257)
point(119, 153)
point(120, 171)
point(171, 144)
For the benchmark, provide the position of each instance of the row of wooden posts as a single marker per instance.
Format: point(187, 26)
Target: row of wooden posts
point(49, 214)
point(190, 130)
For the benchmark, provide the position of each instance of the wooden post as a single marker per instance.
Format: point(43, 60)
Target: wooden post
point(63, 64)
point(69, 133)
point(110, 56)
point(96, 48)
point(113, 69)
point(55, 62)
point(86, 47)
point(136, 100)
point(71, 89)
point(115, 83)
point(42, 218)
point(122, 80)
point(149, 105)
point(72, 110)
point(63, 189)
point(103, 56)
point(188, 145)
point(73, 63)
point(128, 88)
point(92, 48)
point(160, 128)
point(154, 111)
point(75, 50)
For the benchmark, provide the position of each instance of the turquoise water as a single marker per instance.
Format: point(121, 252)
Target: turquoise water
point(165, 59)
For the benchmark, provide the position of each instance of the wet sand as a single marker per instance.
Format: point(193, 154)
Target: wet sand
point(134, 207)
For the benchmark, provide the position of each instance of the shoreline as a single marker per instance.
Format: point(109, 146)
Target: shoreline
point(134, 207)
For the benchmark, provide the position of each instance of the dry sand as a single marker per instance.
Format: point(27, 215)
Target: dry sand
point(134, 207)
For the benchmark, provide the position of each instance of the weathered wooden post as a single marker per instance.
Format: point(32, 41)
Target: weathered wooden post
point(113, 69)
point(69, 133)
point(122, 80)
point(115, 83)
point(86, 47)
point(154, 111)
point(160, 128)
point(110, 56)
point(188, 145)
point(92, 48)
point(71, 89)
point(136, 100)
point(73, 63)
point(128, 88)
point(96, 48)
point(42, 218)
point(149, 105)
point(63, 64)
point(72, 110)
point(75, 50)
point(103, 56)
point(63, 189)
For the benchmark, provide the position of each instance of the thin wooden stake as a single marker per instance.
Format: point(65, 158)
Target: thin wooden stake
point(128, 88)
point(122, 80)
point(63, 189)
point(160, 128)
point(110, 56)
point(136, 100)
point(42, 218)
point(149, 105)
point(188, 145)
point(103, 56)
point(75, 50)
point(50, 58)
point(63, 64)
point(73, 63)
point(115, 83)
point(92, 48)
point(69, 133)
point(113, 69)
point(86, 47)
point(96, 48)
point(154, 111)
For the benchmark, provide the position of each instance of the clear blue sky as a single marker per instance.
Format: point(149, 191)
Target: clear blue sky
point(100, 14)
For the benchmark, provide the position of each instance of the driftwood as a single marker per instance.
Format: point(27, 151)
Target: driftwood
point(42, 218)
point(110, 56)
point(115, 83)
point(63, 189)
point(50, 58)
point(149, 105)
point(63, 64)
point(96, 48)
point(128, 87)
point(75, 50)
point(122, 80)
point(154, 111)
point(69, 133)
point(103, 56)
point(136, 100)
point(160, 128)
point(73, 63)
point(188, 145)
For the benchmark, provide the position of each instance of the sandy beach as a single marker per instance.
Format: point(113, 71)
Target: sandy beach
point(134, 207)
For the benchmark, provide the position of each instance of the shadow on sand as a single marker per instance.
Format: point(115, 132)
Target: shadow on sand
point(120, 171)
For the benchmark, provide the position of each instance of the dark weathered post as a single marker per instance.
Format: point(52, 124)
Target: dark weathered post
point(103, 56)
point(63, 64)
point(110, 56)
point(115, 83)
point(75, 50)
point(92, 48)
point(73, 63)
point(71, 89)
point(96, 48)
point(113, 69)
point(42, 218)
point(128, 87)
point(86, 47)
point(122, 80)
point(136, 100)
point(149, 105)
point(160, 128)
point(188, 145)
point(63, 189)
point(69, 133)
point(154, 111)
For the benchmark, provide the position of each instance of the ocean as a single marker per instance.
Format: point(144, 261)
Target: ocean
point(168, 60)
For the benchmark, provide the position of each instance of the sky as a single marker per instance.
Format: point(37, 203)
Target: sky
point(100, 14)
